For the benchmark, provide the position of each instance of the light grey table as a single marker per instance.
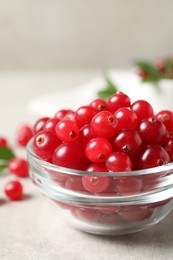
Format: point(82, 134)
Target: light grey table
point(32, 229)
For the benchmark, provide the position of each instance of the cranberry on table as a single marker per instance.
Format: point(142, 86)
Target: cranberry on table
point(24, 134)
point(18, 167)
point(14, 190)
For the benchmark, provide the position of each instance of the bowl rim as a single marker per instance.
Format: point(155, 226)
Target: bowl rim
point(150, 171)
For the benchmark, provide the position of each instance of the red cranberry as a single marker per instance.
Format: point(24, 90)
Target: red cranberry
point(18, 167)
point(24, 134)
point(14, 190)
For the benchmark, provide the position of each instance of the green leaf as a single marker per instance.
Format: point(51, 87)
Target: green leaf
point(110, 85)
point(2, 167)
point(6, 153)
point(103, 94)
point(150, 79)
point(154, 74)
point(168, 67)
point(109, 89)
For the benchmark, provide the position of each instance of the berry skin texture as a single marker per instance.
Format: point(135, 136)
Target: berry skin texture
point(85, 134)
point(60, 114)
point(166, 117)
point(142, 109)
point(67, 130)
point(98, 149)
point(24, 134)
point(118, 162)
point(18, 167)
point(99, 104)
point(70, 115)
point(50, 125)
point(126, 118)
point(96, 167)
point(38, 126)
point(70, 155)
point(117, 101)
point(152, 155)
point(127, 140)
point(169, 147)
point(84, 114)
point(45, 142)
point(104, 124)
point(152, 130)
point(14, 190)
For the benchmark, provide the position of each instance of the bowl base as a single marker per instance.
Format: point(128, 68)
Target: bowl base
point(109, 230)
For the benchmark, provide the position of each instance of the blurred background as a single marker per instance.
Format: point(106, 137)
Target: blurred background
point(53, 34)
point(49, 48)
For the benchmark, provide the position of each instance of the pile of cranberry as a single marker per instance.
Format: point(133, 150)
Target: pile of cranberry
point(16, 166)
point(106, 136)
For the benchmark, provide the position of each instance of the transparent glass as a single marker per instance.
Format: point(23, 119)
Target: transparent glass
point(143, 198)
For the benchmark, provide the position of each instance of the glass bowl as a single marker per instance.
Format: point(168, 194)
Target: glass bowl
point(134, 201)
